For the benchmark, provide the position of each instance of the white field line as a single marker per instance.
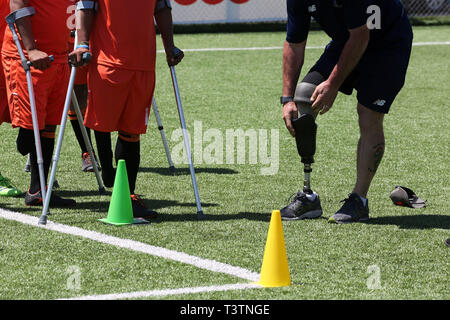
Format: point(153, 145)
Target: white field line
point(173, 255)
point(415, 44)
point(167, 292)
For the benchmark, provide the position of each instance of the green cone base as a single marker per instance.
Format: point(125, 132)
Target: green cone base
point(135, 221)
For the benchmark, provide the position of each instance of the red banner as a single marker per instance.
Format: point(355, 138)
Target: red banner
point(189, 2)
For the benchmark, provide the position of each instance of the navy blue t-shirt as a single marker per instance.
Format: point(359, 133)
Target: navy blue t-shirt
point(336, 17)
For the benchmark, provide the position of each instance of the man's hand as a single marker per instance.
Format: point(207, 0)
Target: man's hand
point(174, 56)
point(290, 112)
point(323, 97)
point(76, 57)
point(39, 59)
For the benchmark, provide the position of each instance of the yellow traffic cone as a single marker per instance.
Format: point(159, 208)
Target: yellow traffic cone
point(120, 209)
point(275, 268)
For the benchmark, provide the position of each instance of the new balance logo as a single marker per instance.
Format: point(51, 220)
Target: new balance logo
point(312, 8)
point(379, 102)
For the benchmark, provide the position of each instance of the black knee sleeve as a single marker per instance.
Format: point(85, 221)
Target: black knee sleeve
point(25, 141)
point(306, 88)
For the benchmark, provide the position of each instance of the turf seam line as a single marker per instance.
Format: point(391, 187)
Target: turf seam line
point(133, 245)
point(415, 44)
point(167, 292)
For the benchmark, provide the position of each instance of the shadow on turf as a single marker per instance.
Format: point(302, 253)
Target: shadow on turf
point(414, 222)
point(192, 216)
point(185, 171)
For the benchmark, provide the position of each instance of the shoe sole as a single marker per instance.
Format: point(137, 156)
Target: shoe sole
point(308, 215)
point(332, 220)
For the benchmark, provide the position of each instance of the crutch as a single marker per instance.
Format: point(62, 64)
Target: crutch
point(11, 20)
point(70, 96)
point(28, 169)
point(163, 136)
point(87, 142)
point(200, 215)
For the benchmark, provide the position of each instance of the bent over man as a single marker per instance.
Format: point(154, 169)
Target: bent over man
point(369, 52)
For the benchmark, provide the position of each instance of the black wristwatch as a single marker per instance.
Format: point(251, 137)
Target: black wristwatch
point(284, 99)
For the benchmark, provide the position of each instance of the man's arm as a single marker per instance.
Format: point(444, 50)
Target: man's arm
point(293, 58)
point(39, 59)
point(163, 18)
point(325, 94)
point(84, 21)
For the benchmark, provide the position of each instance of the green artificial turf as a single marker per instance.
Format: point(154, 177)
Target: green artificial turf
point(229, 90)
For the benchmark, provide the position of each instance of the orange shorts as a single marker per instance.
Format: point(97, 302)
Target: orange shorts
point(49, 86)
point(119, 99)
point(81, 75)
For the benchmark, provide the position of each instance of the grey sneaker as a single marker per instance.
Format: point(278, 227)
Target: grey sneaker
point(353, 210)
point(87, 164)
point(301, 207)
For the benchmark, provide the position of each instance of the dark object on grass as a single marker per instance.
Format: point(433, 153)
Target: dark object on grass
point(402, 196)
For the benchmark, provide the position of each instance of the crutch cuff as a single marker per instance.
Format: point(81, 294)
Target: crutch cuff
point(87, 5)
point(19, 14)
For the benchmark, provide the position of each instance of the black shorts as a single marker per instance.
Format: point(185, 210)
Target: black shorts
point(378, 77)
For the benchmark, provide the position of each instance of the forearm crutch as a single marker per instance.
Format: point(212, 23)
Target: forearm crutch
point(87, 142)
point(163, 137)
point(11, 20)
point(70, 96)
point(186, 142)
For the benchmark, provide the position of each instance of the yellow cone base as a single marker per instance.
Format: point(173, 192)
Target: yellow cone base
point(275, 267)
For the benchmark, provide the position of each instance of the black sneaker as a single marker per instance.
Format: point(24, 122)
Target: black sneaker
point(302, 207)
point(353, 210)
point(55, 200)
point(140, 210)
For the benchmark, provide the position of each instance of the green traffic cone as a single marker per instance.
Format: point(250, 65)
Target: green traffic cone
point(120, 209)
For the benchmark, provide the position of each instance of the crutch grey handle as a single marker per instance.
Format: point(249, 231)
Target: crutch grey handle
point(30, 64)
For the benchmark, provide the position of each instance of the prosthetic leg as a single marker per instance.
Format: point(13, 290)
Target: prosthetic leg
point(305, 125)
point(306, 203)
point(305, 138)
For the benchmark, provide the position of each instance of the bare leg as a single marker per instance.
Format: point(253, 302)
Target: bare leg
point(370, 148)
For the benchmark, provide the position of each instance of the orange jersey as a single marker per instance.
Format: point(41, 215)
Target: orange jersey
point(123, 34)
point(50, 29)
